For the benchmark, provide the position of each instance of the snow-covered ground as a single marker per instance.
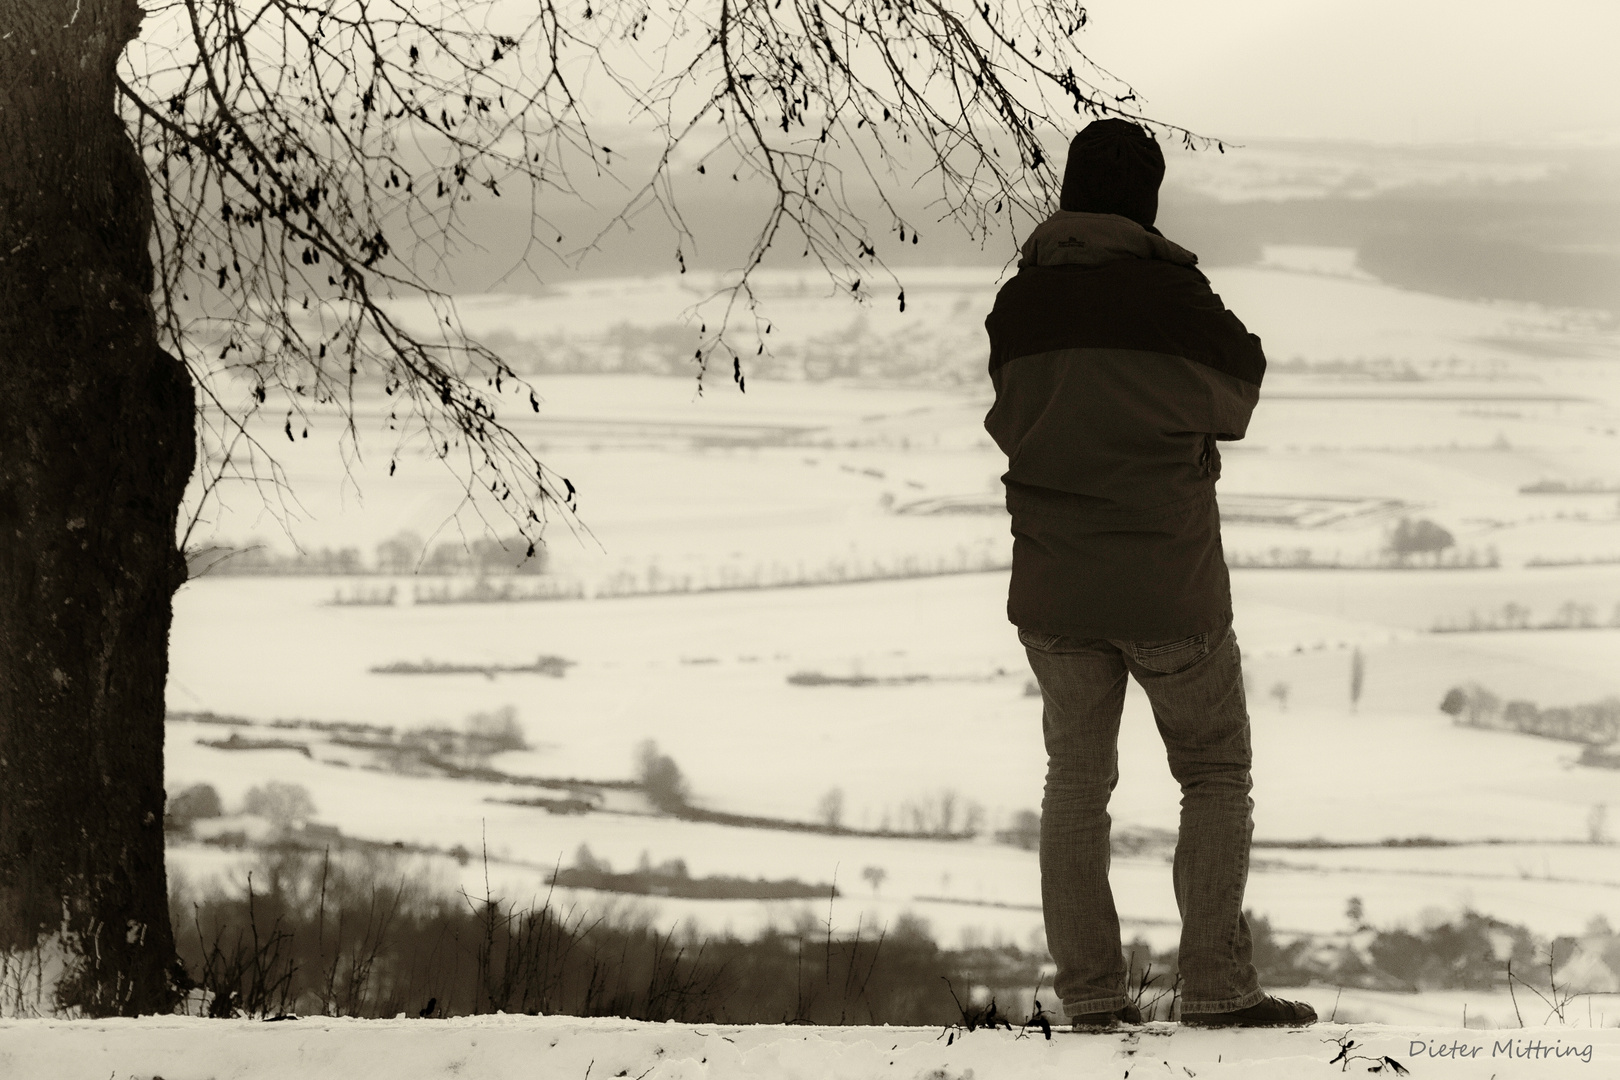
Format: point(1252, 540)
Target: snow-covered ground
point(501, 1047)
point(750, 742)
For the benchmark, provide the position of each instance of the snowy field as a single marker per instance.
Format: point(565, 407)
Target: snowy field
point(500, 1047)
point(1409, 404)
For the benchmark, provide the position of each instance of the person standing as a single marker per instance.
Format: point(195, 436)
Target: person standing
point(1116, 371)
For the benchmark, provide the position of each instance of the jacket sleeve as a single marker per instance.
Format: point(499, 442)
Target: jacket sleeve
point(1227, 356)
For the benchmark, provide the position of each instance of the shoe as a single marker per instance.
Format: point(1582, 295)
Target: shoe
point(1104, 1021)
point(1267, 1012)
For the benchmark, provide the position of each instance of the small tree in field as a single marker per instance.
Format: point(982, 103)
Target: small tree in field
point(209, 219)
point(1358, 671)
point(660, 778)
point(1597, 821)
point(195, 803)
point(493, 732)
point(1473, 704)
point(1421, 536)
point(1026, 830)
point(399, 553)
point(830, 809)
point(286, 806)
point(1572, 613)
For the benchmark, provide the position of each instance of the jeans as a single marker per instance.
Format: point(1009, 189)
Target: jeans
point(1195, 685)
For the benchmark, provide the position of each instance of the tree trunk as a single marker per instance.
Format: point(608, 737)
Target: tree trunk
point(96, 445)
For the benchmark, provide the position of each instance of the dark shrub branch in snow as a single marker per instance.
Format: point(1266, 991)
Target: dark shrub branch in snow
point(311, 934)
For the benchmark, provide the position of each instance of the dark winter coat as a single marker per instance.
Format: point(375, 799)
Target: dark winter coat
point(1116, 369)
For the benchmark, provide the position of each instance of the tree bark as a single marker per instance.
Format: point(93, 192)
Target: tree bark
point(97, 428)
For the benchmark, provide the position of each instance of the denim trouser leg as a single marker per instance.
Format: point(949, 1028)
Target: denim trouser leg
point(1083, 691)
point(1196, 688)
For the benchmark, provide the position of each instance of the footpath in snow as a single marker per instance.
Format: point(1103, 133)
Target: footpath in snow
point(571, 1048)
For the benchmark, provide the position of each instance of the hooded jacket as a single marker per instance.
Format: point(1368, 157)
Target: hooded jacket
point(1116, 370)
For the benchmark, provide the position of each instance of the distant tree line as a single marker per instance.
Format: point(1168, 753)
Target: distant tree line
point(851, 352)
point(672, 879)
point(1562, 487)
point(403, 553)
point(429, 750)
point(1411, 543)
point(727, 577)
point(842, 570)
point(1596, 723)
point(1570, 615)
point(286, 806)
point(545, 664)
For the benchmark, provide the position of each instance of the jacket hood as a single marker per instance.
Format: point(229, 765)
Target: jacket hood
point(1072, 238)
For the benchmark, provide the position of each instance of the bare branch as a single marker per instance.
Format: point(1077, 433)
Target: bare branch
point(313, 162)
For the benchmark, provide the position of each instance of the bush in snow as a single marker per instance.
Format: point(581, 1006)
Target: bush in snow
point(1025, 831)
point(660, 777)
point(193, 804)
point(492, 732)
point(285, 806)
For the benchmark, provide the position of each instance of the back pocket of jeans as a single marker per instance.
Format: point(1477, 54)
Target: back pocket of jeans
point(1035, 639)
point(1171, 656)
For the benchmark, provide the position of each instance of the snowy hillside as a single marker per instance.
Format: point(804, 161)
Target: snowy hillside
point(871, 728)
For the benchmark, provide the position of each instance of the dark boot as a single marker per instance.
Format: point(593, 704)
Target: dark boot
point(1268, 1012)
point(1104, 1021)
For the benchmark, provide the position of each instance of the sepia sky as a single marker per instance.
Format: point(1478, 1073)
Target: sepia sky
point(1379, 70)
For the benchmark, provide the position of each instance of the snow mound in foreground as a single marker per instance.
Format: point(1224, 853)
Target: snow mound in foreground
point(490, 1047)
